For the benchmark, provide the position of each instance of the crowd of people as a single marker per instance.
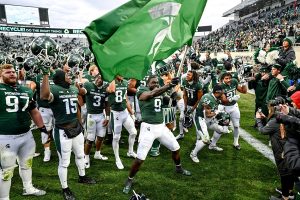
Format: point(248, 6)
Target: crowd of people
point(265, 26)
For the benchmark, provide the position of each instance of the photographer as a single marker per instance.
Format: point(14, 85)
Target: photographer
point(276, 132)
point(290, 116)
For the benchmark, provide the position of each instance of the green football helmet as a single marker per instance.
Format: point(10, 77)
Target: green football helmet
point(75, 62)
point(223, 118)
point(85, 53)
point(46, 49)
point(2, 58)
point(162, 68)
point(31, 66)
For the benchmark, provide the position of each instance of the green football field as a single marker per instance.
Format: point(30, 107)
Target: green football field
point(231, 174)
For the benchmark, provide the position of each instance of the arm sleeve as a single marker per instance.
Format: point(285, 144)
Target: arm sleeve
point(271, 127)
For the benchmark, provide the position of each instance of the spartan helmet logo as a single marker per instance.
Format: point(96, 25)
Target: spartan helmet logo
point(166, 11)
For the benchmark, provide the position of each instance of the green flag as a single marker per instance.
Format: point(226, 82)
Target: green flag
point(145, 31)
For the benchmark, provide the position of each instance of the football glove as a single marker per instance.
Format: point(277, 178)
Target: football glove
point(175, 81)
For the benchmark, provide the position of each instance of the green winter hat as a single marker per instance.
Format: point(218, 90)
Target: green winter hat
point(264, 69)
point(289, 41)
point(277, 66)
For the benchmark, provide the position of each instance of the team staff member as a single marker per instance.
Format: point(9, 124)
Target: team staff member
point(67, 134)
point(16, 142)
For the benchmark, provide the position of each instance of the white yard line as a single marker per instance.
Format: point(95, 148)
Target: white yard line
point(258, 145)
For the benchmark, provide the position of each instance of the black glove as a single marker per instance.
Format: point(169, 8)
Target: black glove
point(175, 81)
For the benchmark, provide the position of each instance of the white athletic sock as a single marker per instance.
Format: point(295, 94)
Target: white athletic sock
point(63, 175)
point(215, 138)
point(115, 145)
point(26, 176)
point(4, 189)
point(131, 140)
point(236, 136)
point(80, 165)
point(198, 147)
point(180, 127)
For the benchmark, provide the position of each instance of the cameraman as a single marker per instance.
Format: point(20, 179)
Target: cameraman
point(278, 140)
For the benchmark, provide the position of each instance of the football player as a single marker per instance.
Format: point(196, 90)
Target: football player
point(205, 118)
point(229, 100)
point(16, 142)
point(67, 133)
point(120, 107)
point(47, 116)
point(153, 127)
point(96, 101)
point(192, 93)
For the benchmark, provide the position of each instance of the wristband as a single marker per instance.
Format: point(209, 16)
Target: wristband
point(107, 117)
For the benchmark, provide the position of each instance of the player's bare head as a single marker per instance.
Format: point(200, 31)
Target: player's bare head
point(93, 70)
point(192, 76)
point(98, 80)
point(218, 91)
point(61, 78)
point(152, 82)
point(8, 74)
point(226, 78)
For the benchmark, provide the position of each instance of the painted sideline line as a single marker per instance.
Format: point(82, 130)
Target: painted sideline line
point(258, 145)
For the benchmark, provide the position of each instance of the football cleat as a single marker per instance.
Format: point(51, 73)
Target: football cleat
point(99, 156)
point(33, 191)
point(86, 180)
point(119, 164)
point(131, 154)
point(194, 158)
point(179, 136)
point(128, 186)
point(47, 155)
point(237, 147)
point(215, 148)
point(68, 195)
point(183, 172)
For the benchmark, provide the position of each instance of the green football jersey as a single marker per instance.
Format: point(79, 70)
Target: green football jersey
point(207, 99)
point(65, 103)
point(95, 98)
point(151, 109)
point(14, 116)
point(230, 90)
point(117, 100)
point(38, 81)
point(191, 91)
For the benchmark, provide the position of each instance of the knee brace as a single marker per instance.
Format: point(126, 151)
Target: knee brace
point(117, 137)
point(8, 173)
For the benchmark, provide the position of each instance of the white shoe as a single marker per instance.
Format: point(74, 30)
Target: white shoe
point(36, 154)
point(194, 158)
point(87, 162)
point(119, 164)
point(131, 154)
point(33, 191)
point(179, 136)
point(216, 148)
point(47, 155)
point(185, 130)
point(99, 156)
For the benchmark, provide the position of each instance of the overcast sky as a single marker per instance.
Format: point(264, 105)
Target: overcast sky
point(78, 13)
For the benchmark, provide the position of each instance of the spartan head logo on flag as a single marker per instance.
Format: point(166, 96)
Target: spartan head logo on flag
point(167, 12)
